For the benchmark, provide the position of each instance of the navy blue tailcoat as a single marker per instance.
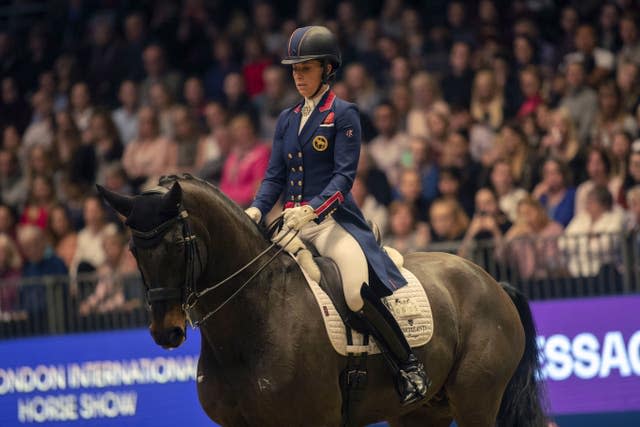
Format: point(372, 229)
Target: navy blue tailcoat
point(317, 167)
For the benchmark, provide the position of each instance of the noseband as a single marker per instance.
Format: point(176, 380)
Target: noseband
point(188, 295)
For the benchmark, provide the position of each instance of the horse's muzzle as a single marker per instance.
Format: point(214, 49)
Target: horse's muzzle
point(170, 337)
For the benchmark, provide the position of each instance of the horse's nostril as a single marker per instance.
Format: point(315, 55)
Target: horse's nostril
point(175, 336)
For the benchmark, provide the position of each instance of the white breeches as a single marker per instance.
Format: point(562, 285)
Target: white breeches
point(333, 241)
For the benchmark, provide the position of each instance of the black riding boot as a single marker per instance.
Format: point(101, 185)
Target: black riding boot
point(411, 379)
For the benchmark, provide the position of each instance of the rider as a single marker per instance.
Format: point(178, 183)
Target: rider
point(314, 160)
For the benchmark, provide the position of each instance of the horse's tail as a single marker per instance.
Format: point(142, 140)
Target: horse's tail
point(523, 400)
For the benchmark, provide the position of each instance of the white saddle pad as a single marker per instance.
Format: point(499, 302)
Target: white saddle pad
point(409, 305)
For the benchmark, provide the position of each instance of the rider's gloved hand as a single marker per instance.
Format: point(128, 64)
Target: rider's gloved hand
point(254, 213)
point(296, 218)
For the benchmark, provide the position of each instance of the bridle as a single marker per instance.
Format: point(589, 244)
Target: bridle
point(188, 294)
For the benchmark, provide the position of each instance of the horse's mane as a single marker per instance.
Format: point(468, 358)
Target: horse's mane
point(227, 204)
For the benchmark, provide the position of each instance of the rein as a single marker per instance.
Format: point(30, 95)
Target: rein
point(192, 295)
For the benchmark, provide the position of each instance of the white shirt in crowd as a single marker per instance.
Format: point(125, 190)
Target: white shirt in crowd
point(589, 245)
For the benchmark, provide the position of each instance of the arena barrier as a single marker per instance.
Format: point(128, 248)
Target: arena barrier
point(568, 267)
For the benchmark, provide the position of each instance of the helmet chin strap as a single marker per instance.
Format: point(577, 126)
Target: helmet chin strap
point(324, 80)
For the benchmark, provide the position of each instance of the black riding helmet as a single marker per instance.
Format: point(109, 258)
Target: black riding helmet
point(314, 42)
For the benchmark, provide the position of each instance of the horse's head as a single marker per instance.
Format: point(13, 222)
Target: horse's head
point(168, 255)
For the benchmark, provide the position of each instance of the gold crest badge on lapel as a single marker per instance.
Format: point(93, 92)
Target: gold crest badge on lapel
point(320, 143)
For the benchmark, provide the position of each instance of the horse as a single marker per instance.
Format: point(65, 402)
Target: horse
point(265, 357)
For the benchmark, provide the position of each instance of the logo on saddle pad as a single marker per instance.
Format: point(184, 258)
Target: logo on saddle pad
point(320, 143)
point(403, 308)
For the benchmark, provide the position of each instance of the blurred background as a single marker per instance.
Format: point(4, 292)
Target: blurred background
point(503, 131)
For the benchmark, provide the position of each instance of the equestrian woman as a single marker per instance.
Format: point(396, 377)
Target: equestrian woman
point(313, 162)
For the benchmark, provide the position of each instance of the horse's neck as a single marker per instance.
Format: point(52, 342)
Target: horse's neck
point(233, 246)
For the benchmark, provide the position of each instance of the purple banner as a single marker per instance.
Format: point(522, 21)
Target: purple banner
point(591, 351)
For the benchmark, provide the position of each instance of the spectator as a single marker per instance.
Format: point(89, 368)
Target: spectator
point(246, 164)
point(132, 50)
point(375, 180)
point(146, 156)
point(75, 161)
point(104, 138)
point(214, 147)
point(41, 200)
point(157, 71)
point(64, 239)
point(235, 98)
point(554, 191)
point(103, 61)
point(448, 221)
point(632, 174)
point(115, 179)
point(14, 111)
point(630, 49)
point(598, 62)
point(437, 123)
point(488, 221)
point(89, 254)
point(66, 74)
point(277, 96)
point(193, 94)
point(361, 87)
point(40, 130)
point(509, 196)
point(580, 100)
point(633, 220)
point(38, 267)
point(406, 234)
point(10, 265)
point(110, 293)
point(598, 168)
point(8, 221)
point(611, 116)
point(524, 52)
point(81, 107)
point(620, 153)
point(425, 94)
point(224, 64)
point(369, 206)
point(511, 147)
point(386, 149)
point(530, 86)
point(487, 103)
point(628, 85)
point(456, 154)
point(530, 245)
point(608, 36)
point(256, 61)
point(185, 144)
point(591, 241)
point(400, 97)
point(162, 102)
point(410, 191)
point(456, 85)
point(450, 188)
point(13, 184)
point(562, 141)
point(126, 116)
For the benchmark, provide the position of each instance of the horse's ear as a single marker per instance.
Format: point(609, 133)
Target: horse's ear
point(121, 203)
point(173, 198)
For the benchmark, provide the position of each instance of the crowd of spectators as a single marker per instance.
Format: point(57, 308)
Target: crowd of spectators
point(507, 120)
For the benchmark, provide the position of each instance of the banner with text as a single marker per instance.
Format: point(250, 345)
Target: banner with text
point(591, 351)
point(105, 379)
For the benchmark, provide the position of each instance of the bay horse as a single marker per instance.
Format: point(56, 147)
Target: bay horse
point(265, 357)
